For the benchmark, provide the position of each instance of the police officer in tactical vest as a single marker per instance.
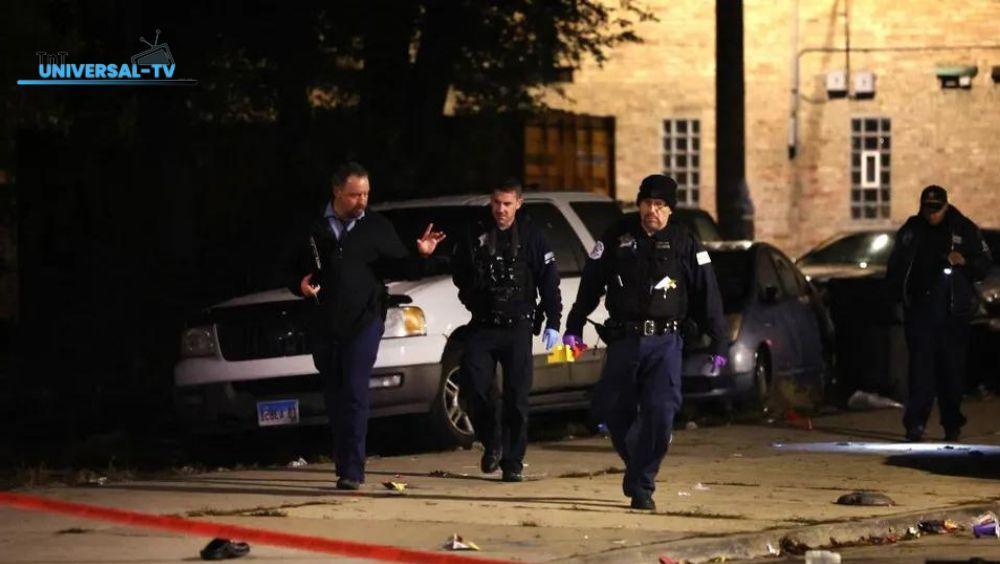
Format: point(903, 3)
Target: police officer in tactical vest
point(656, 274)
point(938, 255)
point(500, 267)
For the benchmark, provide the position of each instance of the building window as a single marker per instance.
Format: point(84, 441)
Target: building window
point(682, 157)
point(870, 175)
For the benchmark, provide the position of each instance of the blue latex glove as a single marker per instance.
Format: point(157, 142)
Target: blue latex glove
point(715, 363)
point(572, 340)
point(550, 337)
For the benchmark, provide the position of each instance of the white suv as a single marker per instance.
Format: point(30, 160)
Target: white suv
point(247, 363)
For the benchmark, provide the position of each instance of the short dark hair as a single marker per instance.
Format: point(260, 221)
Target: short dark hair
point(510, 185)
point(346, 170)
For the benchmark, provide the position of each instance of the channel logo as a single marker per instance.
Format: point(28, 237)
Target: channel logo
point(153, 66)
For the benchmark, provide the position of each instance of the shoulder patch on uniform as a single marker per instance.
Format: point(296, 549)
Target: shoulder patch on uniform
point(703, 258)
point(482, 240)
point(957, 239)
point(597, 251)
point(549, 257)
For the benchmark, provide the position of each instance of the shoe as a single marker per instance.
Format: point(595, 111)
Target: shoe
point(915, 435)
point(348, 484)
point(512, 477)
point(490, 461)
point(952, 436)
point(644, 502)
point(222, 549)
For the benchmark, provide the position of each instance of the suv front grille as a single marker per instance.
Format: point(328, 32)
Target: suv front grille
point(255, 332)
point(261, 340)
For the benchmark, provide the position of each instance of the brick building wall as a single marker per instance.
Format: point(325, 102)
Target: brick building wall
point(942, 136)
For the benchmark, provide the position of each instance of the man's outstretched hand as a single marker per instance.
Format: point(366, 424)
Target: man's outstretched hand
point(429, 240)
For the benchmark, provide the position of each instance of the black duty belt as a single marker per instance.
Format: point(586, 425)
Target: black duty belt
point(650, 327)
point(500, 320)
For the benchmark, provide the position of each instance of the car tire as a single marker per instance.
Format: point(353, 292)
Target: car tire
point(448, 418)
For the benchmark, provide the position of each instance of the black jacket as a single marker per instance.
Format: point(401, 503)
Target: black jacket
point(539, 258)
point(628, 264)
point(352, 272)
point(962, 298)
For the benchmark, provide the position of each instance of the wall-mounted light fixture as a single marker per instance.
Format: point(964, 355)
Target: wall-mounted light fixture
point(956, 76)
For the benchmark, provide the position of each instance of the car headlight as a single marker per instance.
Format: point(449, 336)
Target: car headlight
point(735, 323)
point(406, 321)
point(198, 341)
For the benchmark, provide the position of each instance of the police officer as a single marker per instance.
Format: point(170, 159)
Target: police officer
point(500, 267)
point(655, 273)
point(342, 267)
point(937, 256)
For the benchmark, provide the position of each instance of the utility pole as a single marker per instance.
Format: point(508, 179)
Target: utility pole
point(732, 195)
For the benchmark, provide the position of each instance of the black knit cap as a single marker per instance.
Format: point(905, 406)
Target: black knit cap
point(933, 198)
point(660, 187)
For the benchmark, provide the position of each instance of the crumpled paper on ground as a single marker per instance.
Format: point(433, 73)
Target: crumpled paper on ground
point(456, 542)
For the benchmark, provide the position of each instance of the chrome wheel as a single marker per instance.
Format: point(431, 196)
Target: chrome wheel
point(457, 417)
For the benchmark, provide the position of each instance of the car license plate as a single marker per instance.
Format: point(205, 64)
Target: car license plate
point(280, 412)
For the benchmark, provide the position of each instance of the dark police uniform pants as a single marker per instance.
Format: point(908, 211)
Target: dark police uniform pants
point(637, 396)
point(500, 416)
point(346, 367)
point(937, 350)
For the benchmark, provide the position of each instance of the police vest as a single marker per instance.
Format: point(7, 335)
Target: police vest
point(647, 281)
point(504, 275)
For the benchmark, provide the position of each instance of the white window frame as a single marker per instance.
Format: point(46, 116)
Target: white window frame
point(875, 157)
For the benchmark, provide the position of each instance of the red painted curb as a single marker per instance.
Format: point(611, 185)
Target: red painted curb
point(208, 529)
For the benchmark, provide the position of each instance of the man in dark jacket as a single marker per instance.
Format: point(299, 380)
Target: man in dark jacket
point(656, 274)
point(937, 256)
point(342, 267)
point(500, 267)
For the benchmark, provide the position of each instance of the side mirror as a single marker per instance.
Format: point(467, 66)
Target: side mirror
point(770, 295)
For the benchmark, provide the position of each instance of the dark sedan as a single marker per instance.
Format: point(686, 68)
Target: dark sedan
point(778, 329)
point(849, 270)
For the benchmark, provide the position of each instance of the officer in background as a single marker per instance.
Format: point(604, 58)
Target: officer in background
point(342, 267)
point(500, 267)
point(937, 256)
point(656, 274)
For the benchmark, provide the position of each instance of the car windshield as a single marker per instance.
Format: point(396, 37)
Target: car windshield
point(597, 216)
point(734, 271)
point(698, 221)
point(411, 222)
point(863, 249)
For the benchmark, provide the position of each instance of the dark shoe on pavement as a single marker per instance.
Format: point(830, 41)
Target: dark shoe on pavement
point(224, 549)
point(490, 461)
point(348, 484)
point(915, 435)
point(512, 477)
point(644, 502)
point(952, 436)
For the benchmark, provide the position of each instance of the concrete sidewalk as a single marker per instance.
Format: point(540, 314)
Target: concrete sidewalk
point(722, 490)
